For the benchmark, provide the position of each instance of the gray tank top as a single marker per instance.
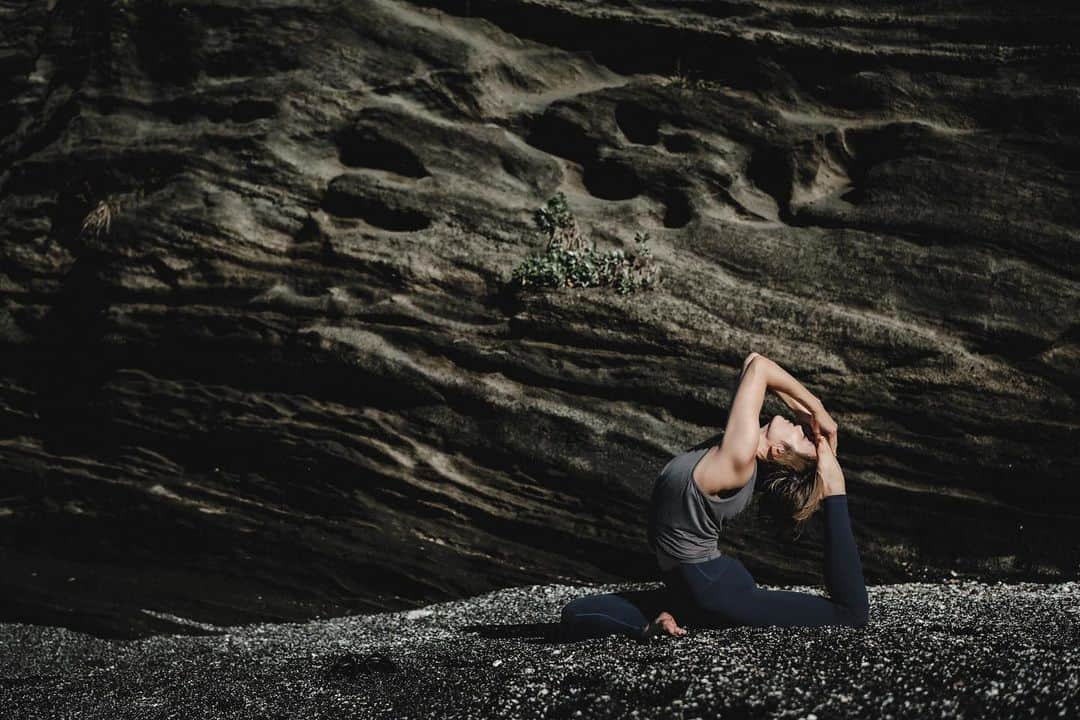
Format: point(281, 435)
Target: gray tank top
point(685, 523)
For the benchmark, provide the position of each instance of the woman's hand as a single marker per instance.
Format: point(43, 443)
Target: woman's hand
point(817, 420)
point(823, 425)
point(828, 469)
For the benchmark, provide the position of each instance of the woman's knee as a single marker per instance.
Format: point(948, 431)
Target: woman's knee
point(608, 604)
point(570, 624)
point(571, 610)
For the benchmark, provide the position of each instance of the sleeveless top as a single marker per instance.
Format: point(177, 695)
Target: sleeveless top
point(685, 523)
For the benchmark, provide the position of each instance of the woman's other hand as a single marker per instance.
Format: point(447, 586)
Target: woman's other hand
point(828, 469)
point(823, 426)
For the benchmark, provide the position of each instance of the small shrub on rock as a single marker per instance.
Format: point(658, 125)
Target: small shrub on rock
point(569, 261)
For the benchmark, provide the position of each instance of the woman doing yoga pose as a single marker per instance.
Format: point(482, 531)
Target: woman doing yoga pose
point(698, 489)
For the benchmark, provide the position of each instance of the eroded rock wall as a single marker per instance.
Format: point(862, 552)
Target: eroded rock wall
point(287, 379)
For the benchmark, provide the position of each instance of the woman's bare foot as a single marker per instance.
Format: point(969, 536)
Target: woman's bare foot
point(664, 623)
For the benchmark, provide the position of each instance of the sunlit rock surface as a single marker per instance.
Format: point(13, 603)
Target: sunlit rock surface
point(287, 379)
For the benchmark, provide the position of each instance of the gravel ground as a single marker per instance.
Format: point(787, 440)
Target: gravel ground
point(954, 649)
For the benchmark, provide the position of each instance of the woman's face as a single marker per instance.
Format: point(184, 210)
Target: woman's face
point(781, 430)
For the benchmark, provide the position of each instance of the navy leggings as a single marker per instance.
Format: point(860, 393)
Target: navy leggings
point(721, 593)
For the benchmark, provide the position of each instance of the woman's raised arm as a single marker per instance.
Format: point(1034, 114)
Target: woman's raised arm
point(739, 447)
point(783, 383)
point(740, 444)
point(803, 403)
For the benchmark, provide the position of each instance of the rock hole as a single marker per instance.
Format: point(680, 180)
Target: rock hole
point(678, 212)
point(637, 123)
point(679, 143)
point(772, 169)
point(169, 42)
point(251, 110)
point(364, 147)
point(374, 211)
point(855, 196)
point(562, 137)
point(609, 180)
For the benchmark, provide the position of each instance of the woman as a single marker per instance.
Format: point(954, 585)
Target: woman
point(700, 488)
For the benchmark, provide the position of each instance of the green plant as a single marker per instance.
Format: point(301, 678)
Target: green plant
point(569, 262)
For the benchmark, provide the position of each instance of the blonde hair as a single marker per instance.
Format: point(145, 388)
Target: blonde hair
point(793, 480)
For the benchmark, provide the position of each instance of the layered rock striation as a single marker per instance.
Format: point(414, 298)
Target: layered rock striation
point(261, 359)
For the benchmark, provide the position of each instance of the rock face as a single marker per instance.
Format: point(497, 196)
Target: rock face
point(961, 649)
point(261, 360)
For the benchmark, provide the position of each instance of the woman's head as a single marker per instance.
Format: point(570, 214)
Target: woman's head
point(786, 443)
point(789, 462)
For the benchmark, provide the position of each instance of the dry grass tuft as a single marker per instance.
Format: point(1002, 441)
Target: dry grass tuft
point(688, 81)
point(98, 220)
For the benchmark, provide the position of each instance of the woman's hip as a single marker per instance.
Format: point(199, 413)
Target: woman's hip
point(701, 578)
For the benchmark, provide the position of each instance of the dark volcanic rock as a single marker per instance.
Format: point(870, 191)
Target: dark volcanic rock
point(287, 380)
point(962, 649)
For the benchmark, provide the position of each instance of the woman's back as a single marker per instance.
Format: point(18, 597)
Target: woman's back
point(684, 522)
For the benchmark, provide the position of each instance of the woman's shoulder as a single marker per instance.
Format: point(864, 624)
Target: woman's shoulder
point(718, 475)
point(682, 461)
